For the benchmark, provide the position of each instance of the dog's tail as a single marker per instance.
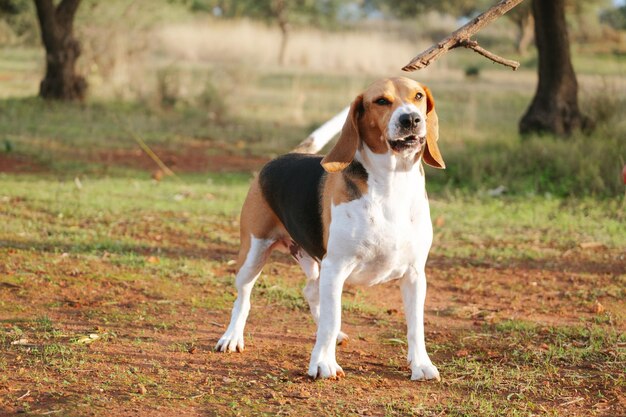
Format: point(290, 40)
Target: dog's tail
point(323, 134)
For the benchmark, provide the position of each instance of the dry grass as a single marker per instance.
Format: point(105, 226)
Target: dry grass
point(246, 42)
point(125, 63)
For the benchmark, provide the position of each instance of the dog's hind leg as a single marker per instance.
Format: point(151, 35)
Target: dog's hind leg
point(311, 291)
point(259, 234)
point(232, 340)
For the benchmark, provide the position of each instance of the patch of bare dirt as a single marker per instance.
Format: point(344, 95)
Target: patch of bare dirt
point(155, 356)
point(191, 158)
point(17, 163)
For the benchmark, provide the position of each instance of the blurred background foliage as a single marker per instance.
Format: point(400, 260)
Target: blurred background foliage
point(255, 77)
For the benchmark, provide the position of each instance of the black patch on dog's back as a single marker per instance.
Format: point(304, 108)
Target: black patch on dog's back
point(291, 185)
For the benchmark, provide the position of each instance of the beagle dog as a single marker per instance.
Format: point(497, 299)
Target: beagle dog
point(359, 215)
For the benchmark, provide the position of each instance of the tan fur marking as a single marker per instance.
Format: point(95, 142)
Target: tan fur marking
point(336, 191)
point(330, 188)
point(432, 155)
point(257, 219)
point(368, 121)
point(342, 153)
point(396, 90)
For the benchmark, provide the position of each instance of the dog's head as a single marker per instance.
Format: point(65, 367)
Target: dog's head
point(394, 115)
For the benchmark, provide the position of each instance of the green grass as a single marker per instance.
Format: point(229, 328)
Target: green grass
point(137, 215)
point(479, 140)
point(524, 227)
point(267, 111)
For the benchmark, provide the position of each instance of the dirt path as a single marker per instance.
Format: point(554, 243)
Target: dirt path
point(195, 156)
point(153, 355)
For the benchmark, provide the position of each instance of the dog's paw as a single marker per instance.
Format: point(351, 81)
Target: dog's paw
point(342, 338)
point(325, 369)
point(230, 342)
point(423, 372)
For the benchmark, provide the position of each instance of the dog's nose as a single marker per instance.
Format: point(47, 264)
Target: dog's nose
point(409, 120)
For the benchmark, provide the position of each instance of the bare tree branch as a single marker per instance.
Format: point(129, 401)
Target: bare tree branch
point(472, 44)
point(461, 37)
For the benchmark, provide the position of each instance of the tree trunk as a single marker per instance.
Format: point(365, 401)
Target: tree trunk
point(284, 38)
point(280, 11)
point(62, 50)
point(555, 106)
point(526, 26)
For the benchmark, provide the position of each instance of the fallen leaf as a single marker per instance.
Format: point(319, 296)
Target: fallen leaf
point(597, 308)
point(440, 221)
point(153, 260)
point(21, 342)
point(157, 175)
point(462, 353)
point(591, 245)
point(492, 354)
point(303, 395)
point(85, 340)
point(141, 389)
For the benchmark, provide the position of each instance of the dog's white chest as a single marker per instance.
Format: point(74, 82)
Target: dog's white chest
point(385, 236)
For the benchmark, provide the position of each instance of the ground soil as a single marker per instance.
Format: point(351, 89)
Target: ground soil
point(155, 356)
point(183, 376)
point(16, 163)
point(193, 157)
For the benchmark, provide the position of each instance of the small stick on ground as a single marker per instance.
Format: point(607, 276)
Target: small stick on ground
point(461, 38)
point(51, 412)
point(142, 144)
point(24, 396)
point(575, 400)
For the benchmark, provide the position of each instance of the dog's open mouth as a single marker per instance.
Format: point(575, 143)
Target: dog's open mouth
point(407, 142)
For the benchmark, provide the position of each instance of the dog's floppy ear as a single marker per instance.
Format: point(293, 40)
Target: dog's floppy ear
point(341, 155)
point(432, 156)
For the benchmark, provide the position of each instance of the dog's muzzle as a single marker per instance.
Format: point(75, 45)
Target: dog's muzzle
point(409, 124)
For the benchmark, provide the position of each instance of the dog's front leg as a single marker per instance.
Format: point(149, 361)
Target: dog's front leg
point(323, 362)
point(413, 287)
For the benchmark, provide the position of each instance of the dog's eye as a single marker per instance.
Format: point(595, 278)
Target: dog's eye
point(419, 96)
point(382, 101)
